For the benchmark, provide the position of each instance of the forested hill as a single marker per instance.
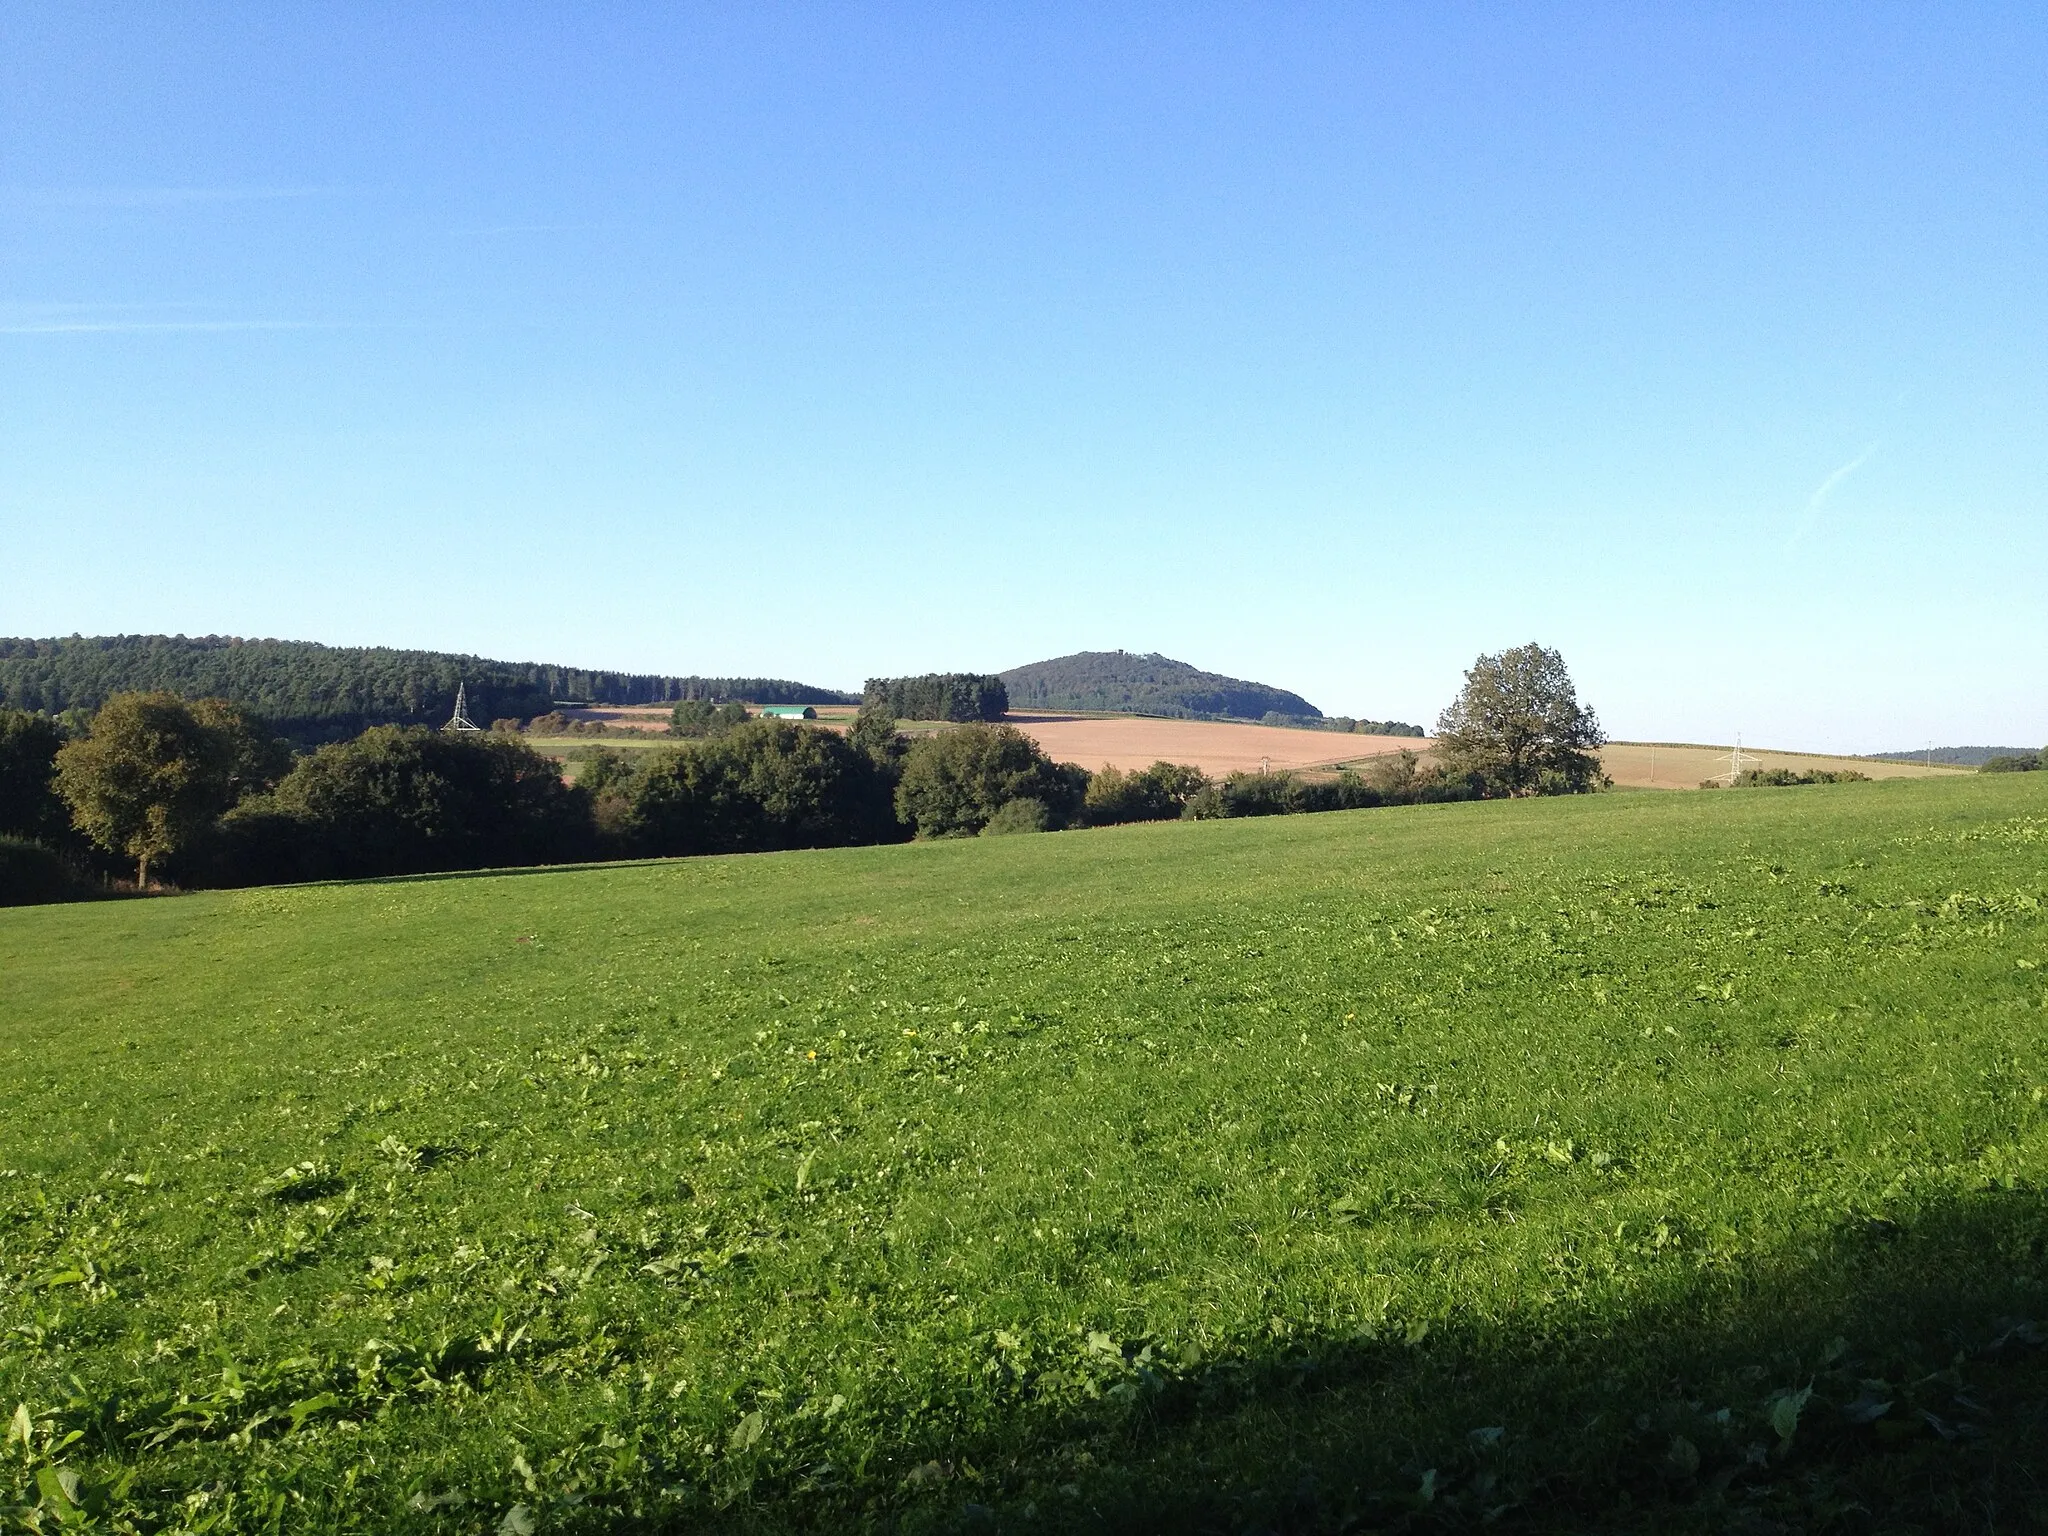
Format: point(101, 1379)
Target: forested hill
point(1145, 685)
point(310, 693)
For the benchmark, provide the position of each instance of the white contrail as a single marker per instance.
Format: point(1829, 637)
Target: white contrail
point(1822, 492)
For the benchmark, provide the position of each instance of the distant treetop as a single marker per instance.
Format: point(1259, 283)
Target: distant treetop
point(959, 696)
point(1146, 684)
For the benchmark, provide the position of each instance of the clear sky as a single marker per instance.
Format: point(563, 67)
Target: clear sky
point(1324, 345)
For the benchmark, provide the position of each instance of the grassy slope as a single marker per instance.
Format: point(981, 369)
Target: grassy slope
point(1406, 1165)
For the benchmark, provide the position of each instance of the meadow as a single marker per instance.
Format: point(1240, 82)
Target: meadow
point(1605, 1163)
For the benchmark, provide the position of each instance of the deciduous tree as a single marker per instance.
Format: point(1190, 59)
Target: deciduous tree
point(155, 772)
point(1519, 726)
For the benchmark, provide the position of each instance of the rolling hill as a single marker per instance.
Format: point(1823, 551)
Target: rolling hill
point(1146, 684)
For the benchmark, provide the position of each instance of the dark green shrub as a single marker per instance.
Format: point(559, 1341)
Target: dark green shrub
point(1025, 815)
point(1257, 794)
point(2015, 762)
point(1398, 778)
point(955, 781)
point(1287, 794)
point(31, 874)
point(29, 803)
point(1158, 793)
point(769, 784)
point(402, 800)
point(1773, 778)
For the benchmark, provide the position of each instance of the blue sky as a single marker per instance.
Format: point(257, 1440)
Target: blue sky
point(1325, 345)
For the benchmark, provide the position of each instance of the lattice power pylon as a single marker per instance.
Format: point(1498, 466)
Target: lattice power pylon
point(1734, 761)
point(460, 720)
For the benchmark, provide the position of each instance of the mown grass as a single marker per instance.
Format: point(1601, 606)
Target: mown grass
point(1630, 1162)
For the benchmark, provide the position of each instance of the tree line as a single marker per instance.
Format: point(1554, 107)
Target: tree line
point(310, 693)
point(1344, 724)
point(956, 696)
point(200, 793)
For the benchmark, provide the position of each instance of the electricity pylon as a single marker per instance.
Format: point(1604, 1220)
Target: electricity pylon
point(1734, 761)
point(460, 720)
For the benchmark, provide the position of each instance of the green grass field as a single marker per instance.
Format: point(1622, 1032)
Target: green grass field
point(1629, 1162)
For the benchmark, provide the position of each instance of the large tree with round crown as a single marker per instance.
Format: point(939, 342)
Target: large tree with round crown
point(1519, 726)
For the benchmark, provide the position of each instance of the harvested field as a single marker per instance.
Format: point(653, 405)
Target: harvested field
point(1215, 747)
point(1122, 741)
point(1220, 747)
point(1668, 765)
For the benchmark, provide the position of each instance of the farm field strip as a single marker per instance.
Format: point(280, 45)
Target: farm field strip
point(1221, 747)
point(1633, 1152)
point(1641, 765)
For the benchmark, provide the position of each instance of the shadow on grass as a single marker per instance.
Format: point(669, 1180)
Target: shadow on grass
point(1885, 1377)
point(428, 877)
point(1880, 1376)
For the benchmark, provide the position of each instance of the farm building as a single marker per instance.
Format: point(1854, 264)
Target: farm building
point(788, 712)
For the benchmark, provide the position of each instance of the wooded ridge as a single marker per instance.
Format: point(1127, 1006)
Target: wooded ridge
point(311, 693)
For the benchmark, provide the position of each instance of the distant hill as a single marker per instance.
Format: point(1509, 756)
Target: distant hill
point(311, 693)
point(1146, 685)
point(1961, 757)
